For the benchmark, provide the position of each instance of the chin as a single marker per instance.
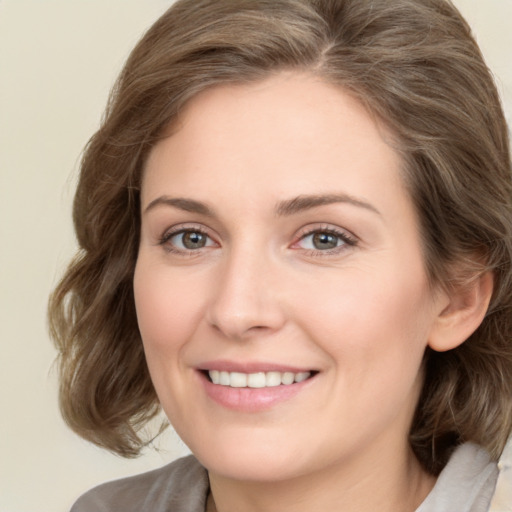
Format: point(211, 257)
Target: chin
point(257, 469)
point(251, 461)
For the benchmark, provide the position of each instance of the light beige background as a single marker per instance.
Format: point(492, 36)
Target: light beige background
point(58, 60)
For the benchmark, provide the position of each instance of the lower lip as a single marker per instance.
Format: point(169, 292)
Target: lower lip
point(251, 399)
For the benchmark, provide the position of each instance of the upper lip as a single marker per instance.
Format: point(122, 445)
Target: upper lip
point(250, 367)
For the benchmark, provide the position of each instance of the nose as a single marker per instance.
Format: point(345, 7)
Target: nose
point(246, 300)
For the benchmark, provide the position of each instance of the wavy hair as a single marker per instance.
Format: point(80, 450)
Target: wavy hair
point(416, 67)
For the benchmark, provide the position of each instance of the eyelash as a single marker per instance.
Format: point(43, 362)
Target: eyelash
point(181, 230)
point(347, 240)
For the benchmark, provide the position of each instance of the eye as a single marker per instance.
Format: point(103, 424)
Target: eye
point(322, 241)
point(325, 240)
point(186, 240)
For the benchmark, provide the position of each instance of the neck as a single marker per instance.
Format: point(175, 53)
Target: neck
point(386, 486)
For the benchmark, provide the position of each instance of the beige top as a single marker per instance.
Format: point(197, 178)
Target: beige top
point(466, 484)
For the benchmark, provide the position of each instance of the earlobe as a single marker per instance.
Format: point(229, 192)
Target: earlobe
point(466, 309)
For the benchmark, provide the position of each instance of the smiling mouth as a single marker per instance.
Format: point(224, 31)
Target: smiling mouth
point(256, 380)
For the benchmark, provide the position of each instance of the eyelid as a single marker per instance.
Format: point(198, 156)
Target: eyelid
point(172, 231)
point(349, 239)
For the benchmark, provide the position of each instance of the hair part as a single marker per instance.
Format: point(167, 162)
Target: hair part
point(416, 68)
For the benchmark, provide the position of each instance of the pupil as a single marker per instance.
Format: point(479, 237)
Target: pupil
point(325, 241)
point(194, 240)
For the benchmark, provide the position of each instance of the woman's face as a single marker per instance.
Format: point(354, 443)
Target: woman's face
point(279, 244)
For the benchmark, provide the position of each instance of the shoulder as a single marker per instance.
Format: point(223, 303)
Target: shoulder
point(466, 484)
point(178, 487)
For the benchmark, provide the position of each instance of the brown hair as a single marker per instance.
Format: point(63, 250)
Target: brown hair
point(415, 66)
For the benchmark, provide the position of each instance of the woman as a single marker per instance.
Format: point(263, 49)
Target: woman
point(295, 231)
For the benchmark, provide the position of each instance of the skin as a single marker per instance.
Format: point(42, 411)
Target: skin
point(261, 291)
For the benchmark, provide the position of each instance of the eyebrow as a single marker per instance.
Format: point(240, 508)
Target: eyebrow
point(283, 208)
point(188, 205)
point(306, 202)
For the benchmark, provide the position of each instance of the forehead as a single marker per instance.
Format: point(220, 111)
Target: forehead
point(288, 134)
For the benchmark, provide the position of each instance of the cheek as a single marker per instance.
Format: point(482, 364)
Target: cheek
point(168, 313)
point(374, 326)
point(167, 310)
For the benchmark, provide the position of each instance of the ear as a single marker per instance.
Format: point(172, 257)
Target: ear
point(463, 310)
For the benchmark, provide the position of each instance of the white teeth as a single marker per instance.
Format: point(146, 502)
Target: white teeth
point(256, 380)
point(215, 376)
point(299, 377)
point(273, 379)
point(238, 380)
point(288, 378)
